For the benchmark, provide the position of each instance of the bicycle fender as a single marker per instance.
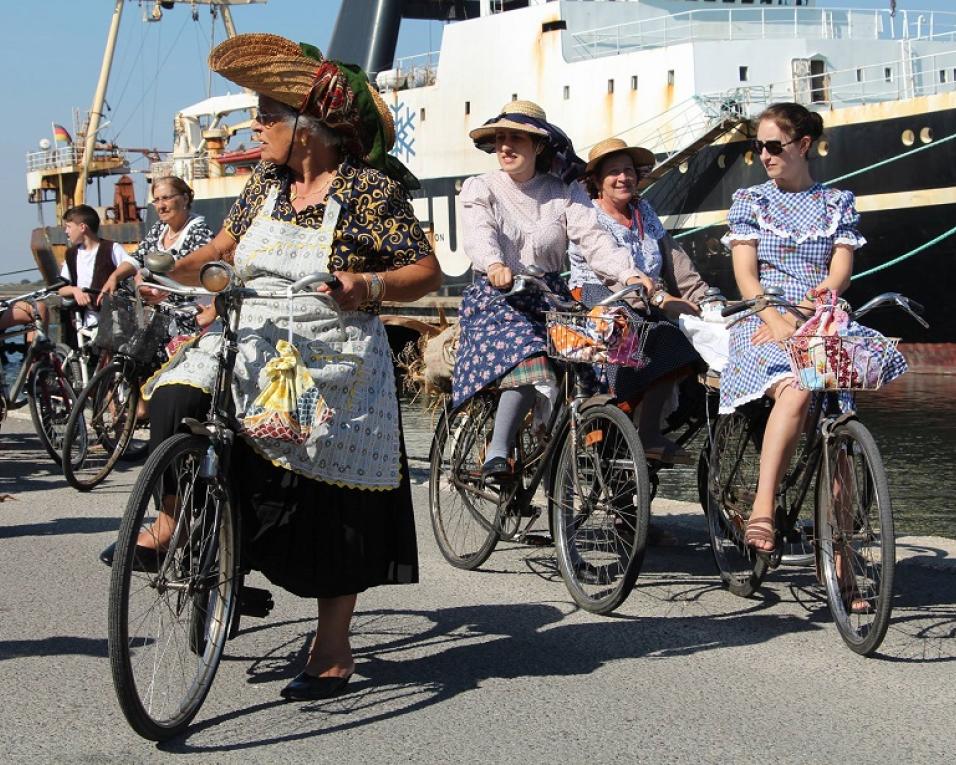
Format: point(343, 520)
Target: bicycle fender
point(599, 399)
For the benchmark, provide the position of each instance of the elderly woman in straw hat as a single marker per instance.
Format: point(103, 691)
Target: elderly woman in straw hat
point(327, 514)
point(611, 177)
point(522, 214)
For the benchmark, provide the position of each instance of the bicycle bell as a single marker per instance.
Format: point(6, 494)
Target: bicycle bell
point(159, 262)
point(216, 276)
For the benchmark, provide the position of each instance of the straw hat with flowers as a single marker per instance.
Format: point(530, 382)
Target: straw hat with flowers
point(640, 156)
point(338, 94)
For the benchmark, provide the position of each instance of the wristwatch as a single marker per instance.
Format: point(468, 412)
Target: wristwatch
point(658, 298)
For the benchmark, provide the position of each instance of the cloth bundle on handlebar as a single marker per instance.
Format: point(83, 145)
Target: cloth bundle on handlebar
point(825, 355)
point(128, 327)
point(600, 336)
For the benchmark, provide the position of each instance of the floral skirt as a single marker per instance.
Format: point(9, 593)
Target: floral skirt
point(496, 336)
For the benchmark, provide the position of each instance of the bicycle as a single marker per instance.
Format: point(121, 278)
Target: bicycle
point(102, 426)
point(47, 376)
point(837, 475)
point(170, 616)
point(592, 464)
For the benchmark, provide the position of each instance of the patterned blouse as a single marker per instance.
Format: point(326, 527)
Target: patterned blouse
point(194, 235)
point(377, 229)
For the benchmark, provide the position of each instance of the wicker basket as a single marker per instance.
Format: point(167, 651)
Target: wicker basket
point(129, 328)
point(601, 336)
point(840, 362)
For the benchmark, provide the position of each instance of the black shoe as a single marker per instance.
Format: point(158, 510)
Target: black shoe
point(306, 687)
point(144, 559)
point(497, 468)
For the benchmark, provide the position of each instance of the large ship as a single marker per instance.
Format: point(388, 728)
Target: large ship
point(684, 78)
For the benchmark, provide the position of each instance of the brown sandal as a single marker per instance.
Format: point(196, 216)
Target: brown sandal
point(760, 530)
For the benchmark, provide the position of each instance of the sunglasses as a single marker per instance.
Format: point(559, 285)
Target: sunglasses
point(268, 119)
point(774, 148)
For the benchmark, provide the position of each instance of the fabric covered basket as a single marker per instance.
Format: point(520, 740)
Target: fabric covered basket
point(840, 362)
point(600, 336)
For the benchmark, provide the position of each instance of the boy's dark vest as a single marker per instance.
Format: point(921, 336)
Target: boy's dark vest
point(102, 268)
point(102, 265)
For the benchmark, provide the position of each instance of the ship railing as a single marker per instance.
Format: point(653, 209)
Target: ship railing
point(51, 159)
point(798, 22)
point(410, 72)
point(187, 168)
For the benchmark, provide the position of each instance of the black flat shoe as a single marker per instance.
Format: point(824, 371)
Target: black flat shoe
point(144, 559)
point(306, 687)
point(497, 468)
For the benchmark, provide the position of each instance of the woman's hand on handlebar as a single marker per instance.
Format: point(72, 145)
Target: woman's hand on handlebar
point(645, 281)
point(151, 295)
point(351, 291)
point(500, 276)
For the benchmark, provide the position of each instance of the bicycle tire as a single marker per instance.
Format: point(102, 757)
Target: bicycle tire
point(854, 536)
point(463, 521)
point(733, 467)
point(601, 509)
point(100, 427)
point(201, 561)
point(51, 399)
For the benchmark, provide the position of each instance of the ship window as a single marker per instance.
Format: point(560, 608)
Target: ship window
point(567, 92)
point(610, 86)
point(818, 80)
point(942, 75)
point(514, 96)
point(823, 147)
point(670, 76)
point(859, 74)
point(926, 135)
point(744, 74)
point(467, 107)
point(634, 82)
point(887, 74)
point(421, 115)
point(908, 137)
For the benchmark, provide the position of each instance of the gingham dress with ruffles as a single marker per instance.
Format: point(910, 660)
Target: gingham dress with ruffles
point(795, 233)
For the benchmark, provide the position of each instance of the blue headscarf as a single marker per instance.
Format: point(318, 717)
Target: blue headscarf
point(565, 164)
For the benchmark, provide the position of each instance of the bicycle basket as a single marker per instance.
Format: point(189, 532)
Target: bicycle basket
point(128, 327)
point(840, 362)
point(600, 336)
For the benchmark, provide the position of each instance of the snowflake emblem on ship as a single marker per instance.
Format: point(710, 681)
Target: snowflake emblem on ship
point(404, 131)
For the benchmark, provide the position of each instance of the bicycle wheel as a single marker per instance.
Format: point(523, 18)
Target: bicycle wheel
point(600, 509)
point(733, 469)
point(855, 537)
point(100, 427)
point(51, 400)
point(169, 614)
point(463, 510)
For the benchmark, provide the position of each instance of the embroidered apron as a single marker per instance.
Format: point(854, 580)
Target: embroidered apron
point(354, 440)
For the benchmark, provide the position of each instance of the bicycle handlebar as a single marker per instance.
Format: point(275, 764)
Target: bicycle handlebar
point(758, 303)
point(35, 294)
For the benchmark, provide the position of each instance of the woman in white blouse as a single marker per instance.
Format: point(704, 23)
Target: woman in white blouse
point(523, 214)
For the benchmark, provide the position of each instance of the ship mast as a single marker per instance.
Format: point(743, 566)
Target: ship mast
point(98, 99)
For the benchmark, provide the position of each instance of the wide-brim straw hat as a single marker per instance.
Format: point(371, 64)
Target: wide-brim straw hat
point(277, 68)
point(639, 155)
point(524, 108)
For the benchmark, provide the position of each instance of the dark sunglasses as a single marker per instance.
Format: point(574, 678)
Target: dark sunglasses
point(774, 148)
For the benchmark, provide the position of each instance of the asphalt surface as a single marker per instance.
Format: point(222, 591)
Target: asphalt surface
point(489, 666)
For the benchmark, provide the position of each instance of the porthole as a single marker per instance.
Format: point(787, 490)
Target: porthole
point(682, 167)
point(823, 147)
point(926, 135)
point(457, 186)
point(908, 137)
point(749, 157)
point(721, 161)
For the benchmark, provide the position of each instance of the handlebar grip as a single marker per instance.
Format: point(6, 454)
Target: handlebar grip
point(734, 308)
point(316, 278)
point(918, 307)
point(58, 284)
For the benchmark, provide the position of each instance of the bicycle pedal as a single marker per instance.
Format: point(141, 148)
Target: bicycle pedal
point(254, 601)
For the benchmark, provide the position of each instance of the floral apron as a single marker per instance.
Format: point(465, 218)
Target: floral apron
point(349, 413)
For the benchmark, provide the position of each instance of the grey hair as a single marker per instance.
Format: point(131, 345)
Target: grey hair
point(312, 125)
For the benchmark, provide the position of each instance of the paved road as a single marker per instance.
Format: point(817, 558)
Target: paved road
point(492, 666)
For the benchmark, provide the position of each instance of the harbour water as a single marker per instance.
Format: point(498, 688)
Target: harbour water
point(913, 421)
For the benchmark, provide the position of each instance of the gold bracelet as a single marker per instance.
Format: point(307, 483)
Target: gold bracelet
point(368, 286)
point(384, 286)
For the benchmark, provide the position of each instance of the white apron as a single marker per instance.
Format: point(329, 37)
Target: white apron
point(356, 443)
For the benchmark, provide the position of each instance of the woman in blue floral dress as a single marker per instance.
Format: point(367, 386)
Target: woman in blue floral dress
point(790, 232)
point(521, 215)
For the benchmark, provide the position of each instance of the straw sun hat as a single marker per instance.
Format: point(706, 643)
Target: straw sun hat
point(524, 108)
point(279, 69)
point(640, 156)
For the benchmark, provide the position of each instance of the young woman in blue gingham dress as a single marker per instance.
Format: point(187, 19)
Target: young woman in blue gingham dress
point(792, 233)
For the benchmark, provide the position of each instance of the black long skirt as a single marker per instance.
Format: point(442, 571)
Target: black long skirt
point(311, 538)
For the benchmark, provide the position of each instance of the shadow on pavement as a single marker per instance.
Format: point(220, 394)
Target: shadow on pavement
point(60, 526)
point(59, 645)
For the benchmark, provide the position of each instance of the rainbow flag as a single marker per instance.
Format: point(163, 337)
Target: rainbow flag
point(60, 136)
